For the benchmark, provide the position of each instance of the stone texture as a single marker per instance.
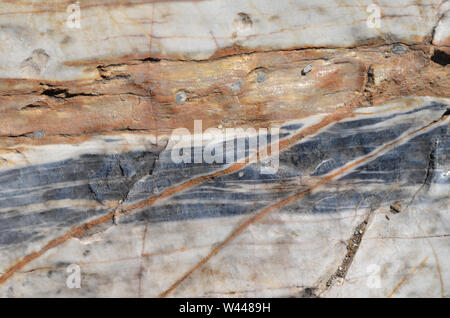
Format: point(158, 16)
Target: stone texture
point(87, 177)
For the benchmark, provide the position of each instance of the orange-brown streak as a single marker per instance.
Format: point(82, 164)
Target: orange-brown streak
point(406, 277)
point(339, 114)
point(77, 231)
point(141, 265)
point(286, 201)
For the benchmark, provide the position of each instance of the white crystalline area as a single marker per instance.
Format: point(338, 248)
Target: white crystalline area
point(197, 30)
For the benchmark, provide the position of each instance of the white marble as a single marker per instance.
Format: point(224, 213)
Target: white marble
point(38, 42)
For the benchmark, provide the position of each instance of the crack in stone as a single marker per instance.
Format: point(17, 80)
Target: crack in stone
point(352, 248)
point(359, 231)
point(354, 243)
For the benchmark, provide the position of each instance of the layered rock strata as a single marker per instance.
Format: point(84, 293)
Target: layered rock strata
point(354, 112)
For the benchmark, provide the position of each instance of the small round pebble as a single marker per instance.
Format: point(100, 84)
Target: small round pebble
point(181, 97)
point(307, 69)
point(39, 134)
point(398, 49)
point(236, 87)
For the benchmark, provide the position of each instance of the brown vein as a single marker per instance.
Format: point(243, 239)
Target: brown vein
point(406, 277)
point(258, 216)
point(78, 231)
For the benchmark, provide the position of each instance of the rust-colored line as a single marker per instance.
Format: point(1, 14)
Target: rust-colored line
point(79, 230)
point(110, 261)
point(406, 277)
point(283, 144)
point(339, 114)
point(214, 39)
point(235, 233)
point(438, 268)
point(288, 200)
point(141, 265)
point(75, 232)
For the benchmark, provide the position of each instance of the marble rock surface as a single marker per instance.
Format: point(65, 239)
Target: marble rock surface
point(347, 193)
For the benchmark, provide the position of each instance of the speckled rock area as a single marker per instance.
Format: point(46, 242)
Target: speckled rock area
point(225, 148)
